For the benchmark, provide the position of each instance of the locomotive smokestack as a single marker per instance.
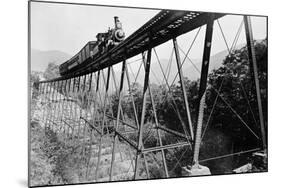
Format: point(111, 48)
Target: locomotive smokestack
point(116, 20)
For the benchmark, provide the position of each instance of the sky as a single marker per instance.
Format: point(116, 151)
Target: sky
point(67, 28)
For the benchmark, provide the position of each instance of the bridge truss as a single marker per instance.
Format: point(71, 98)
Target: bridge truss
point(88, 106)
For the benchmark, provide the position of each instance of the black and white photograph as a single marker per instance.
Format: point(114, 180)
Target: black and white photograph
point(131, 93)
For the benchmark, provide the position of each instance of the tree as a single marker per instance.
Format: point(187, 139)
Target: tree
point(235, 78)
point(34, 79)
point(52, 71)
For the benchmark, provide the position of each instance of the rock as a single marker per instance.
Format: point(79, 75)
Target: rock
point(243, 169)
point(195, 170)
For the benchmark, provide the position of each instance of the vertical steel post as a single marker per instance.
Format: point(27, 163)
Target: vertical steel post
point(53, 112)
point(140, 133)
point(68, 106)
point(253, 61)
point(77, 107)
point(39, 88)
point(70, 101)
point(51, 105)
point(202, 87)
point(103, 121)
point(80, 107)
point(58, 103)
point(61, 100)
point(44, 103)
point(122, 115)
point(94, 113)
point(134, 108)
point(73, 108)
point(157, 125)
point(96, 96)
point(132, 97)
point(120, 96)
point(84, 128)
point(116, 87)
point(146, 166)
point(91, 137)
point(104, 80)
point(187, 111)
point(48, 104)
point(65, 108)
point(90, 152)
point(46, 111)
point(56, 107)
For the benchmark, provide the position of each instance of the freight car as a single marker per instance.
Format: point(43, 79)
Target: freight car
point(93, 49)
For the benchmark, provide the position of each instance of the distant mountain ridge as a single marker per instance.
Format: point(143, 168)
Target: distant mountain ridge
point(215, 62)
point(188, 68)
point(40, 59)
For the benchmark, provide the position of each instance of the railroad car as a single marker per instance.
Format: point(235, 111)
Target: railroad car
point(93, 49)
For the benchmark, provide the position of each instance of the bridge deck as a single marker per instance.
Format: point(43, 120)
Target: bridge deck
point(167, 24)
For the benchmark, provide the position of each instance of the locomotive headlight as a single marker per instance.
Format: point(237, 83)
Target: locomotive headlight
point(119, 34)
point(118, 25)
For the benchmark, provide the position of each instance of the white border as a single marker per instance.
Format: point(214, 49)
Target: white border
point(13, 76)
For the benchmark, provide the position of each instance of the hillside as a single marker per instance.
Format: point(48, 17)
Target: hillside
point(41, 59)
point(188, 69)
point(215, 62)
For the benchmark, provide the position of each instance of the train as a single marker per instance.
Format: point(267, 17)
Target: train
point(93, 49)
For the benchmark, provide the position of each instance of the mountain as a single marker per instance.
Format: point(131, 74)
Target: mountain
point(215, 62)
point(188, 69)
point(41, 59)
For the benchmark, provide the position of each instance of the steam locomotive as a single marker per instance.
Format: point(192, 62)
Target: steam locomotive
point(93, 49)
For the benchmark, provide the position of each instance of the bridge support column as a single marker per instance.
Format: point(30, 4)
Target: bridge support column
point(80, 92)
point(103, 122)
point(196, 169)
point(68, 107)
point(80, 114)
point(140, 134)
point(179, 65)
point(157, 129)
point(94, 111)
point(120, 96)
point(64, 102)
point(52, 95)
point(253, 61)
point(58, 108)
point(45, 102)
point(72, 107)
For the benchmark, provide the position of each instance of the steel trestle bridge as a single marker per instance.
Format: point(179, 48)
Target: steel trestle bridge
point(78, 106)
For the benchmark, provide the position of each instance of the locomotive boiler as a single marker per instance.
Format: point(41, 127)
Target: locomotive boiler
point(93, 49)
